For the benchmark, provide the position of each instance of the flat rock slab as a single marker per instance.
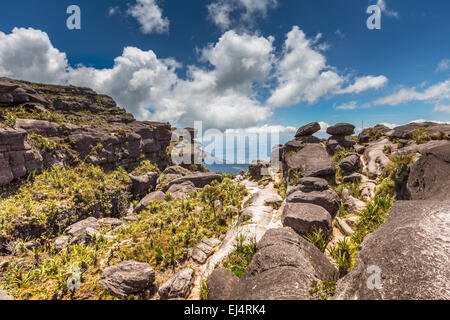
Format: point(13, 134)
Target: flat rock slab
point(221, 283)
point(312, 160)
point(411, 252)
point(283, 268)
point(199, 180)
point(328, 199)
point(341, 129)
point(313, 184)
point(178, 286)
point(79, 228)
point(201, 253)
point(127, 277)
point(306, 218)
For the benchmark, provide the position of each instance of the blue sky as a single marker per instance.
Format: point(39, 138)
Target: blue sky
point(228, 63)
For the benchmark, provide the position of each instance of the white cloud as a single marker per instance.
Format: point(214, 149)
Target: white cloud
point(228, 14)
point(385, 10)
point(434, 121)
point(389, 125)
point(443, 65)
point(324, 126)
point(439, 91)
point(442, 108)
point(113, 10)
point(348, 106)
point(227, 93)
point(302, 73)
point(29, 54)
point(150, 16)
point(365, 83)
point(340, 34)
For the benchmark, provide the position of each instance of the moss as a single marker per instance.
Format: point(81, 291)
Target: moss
point(322, 290)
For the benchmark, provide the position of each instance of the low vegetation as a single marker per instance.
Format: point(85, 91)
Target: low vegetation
point(239, 259)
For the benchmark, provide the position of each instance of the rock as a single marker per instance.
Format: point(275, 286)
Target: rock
point(127, 277)
point(352, 204)
point(205, 249)
point(411, 251)
point(283, 268)
point(311, 161)
point(273, 201)
point(306, 218)
point(142, 184)
point(371, 134)
point(313, 184)
point(176, 170)
point(258, 169)
point(432, 129)
point(308, 129)
point(110, 222)
point(350, 163)
point(367, 190)
point(359, 149)
point(429, 176)
point(61, 243)
point(328, 199)
point(221, 283)
point(79, 228)
point(151, 197)
point(346, 229)
point(336, 143)
point(200, 179)
point(421, 148)
point(4, 296)
point(41, 127)
point(354, 177)
point(376, 158)
point(181, 190)
point(178, 286)
point(341, 129)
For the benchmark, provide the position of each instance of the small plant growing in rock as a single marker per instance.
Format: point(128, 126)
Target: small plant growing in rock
point(322, 290)
point(343, 253)
point(318, 239)
point(239, 259)
point(420, 136)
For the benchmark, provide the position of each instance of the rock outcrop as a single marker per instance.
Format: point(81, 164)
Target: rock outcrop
point(305, 218)
point(429, 177)
point(178, 286)
point(283, 268)
point(127, 277)
point(221, 283)
point(406, 258)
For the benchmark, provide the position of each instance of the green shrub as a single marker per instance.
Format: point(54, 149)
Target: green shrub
point(239, 259)
point(343, 253)
point(322, 291)
point(318, 239)
point(420, 136)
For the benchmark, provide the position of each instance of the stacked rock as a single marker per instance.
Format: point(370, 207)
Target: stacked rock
point(340, 137)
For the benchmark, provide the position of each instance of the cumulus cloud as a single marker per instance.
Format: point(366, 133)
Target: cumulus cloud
point(302, 73)
point(443, 65)
point(226, 91)
point(227, 14)
point(437, 92)
point(150, 16)
point(44, 64)
point(365, 83)
point(442, 108)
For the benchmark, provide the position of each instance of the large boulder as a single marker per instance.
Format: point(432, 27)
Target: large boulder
point(200, 179)
point(350, 163)
point(341, 129)
point(308, 130)
point(376, 159)
point(432, 129)
point(127, 277)
point(283, 268)
point(406, 258)
point(178, 286)
point(41, 127)
point(306, 218)
point(180, 191)
point(429, 176)
point(221, 283)
point(311, 161)
point(372, 134)
point(313, 184)
point(327, 199)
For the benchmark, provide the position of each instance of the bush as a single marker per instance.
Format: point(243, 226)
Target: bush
point(239, 259)
point(318, 239)
point(343, 253)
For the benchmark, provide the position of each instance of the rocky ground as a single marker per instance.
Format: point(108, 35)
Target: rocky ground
point(92, 208)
